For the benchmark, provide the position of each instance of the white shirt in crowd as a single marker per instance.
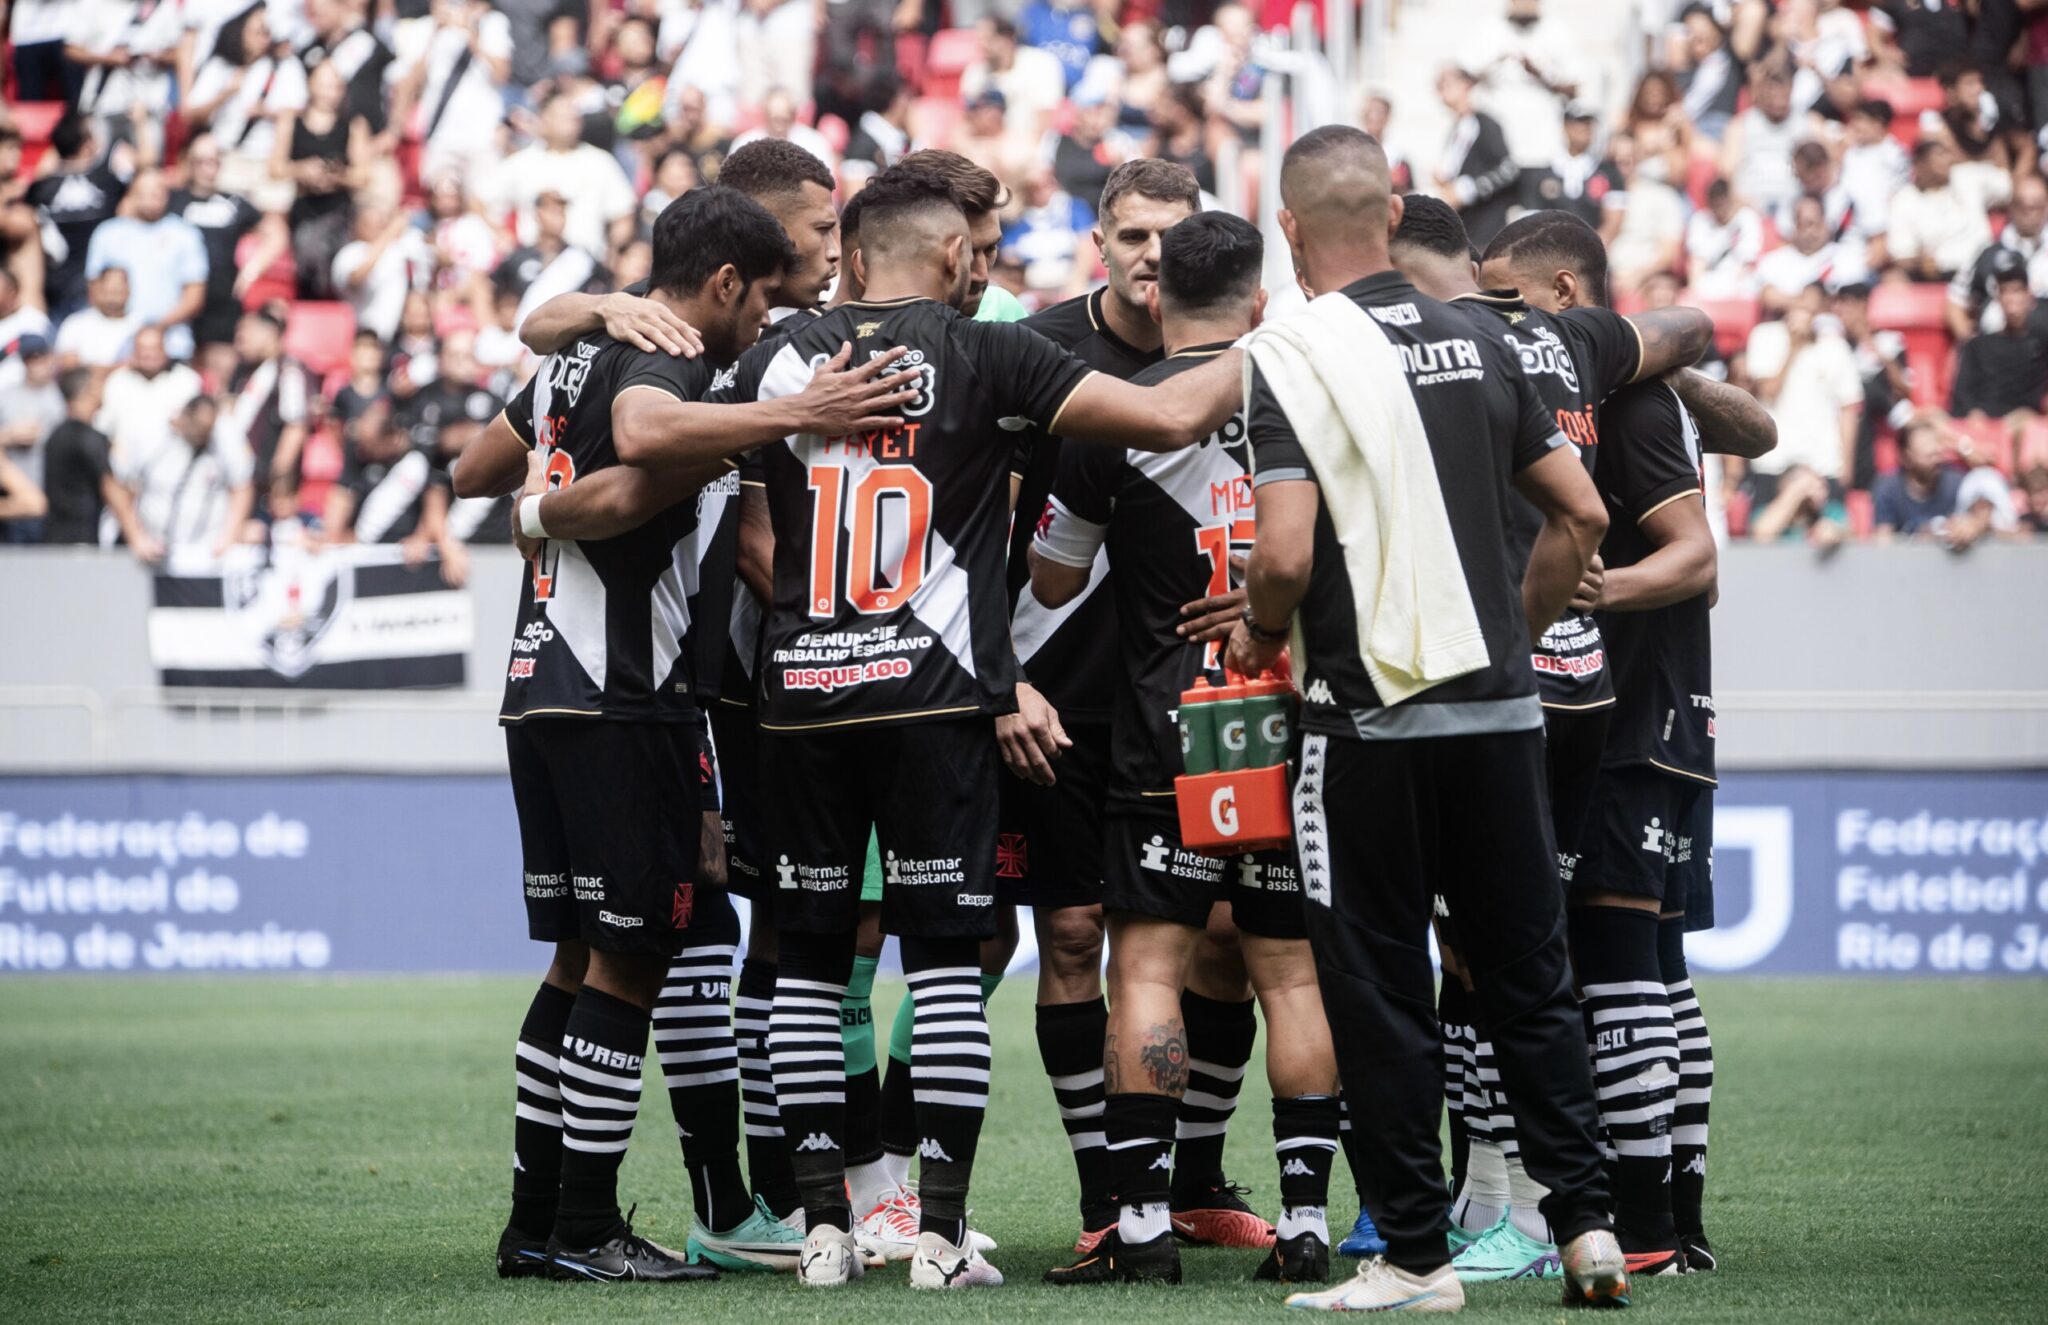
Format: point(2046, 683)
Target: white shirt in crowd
point(1530, 114)
point(148, 32)
point(1788, 271)
point(1873, 176)
point(1726, 254)
point(1948, 222)
point(136, 411)
point(1821, 382)
point(380, 300)
point(477, 105)
point(1654, 217)
point(1034, 85)
point(99, 341)
point(33, 22)
point(268, 87)
point(182, 495)
point(588, 178)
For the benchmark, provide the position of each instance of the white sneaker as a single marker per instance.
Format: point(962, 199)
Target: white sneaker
point(939, 1264)
point(1595, 1271)
point(829, 1258)
point(889, 1231)
point(1379, 1286)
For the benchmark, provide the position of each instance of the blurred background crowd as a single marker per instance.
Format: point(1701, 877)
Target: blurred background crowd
point(262, 266)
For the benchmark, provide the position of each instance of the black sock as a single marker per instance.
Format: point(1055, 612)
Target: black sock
point(1220, 1039)
point(1070, 1037)
point(537, 1116)
point(1635, 1062)
point(1695, 1080)
point(1139, 1129)
point(1305, 1144)
point(950, 1058)
point(602, 1048)
point(899, 1110)
point(809, 1060)
point(768, 1170)
point(863, 1117)
point(1454, 1015)
point(701, 1067)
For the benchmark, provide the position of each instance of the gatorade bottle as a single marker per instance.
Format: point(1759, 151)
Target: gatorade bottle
point(1198, 727)
point(1232, 739)
point(1266, 706)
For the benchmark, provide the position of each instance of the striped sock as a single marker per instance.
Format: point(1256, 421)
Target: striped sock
point(808, 1058)
point(700, 1065)
point(1695, 1080)
point(950, 1058)
point(865, 1176)
point(1635, 1062)
point(1220, 1037)
point(1305, 1144)
point(1454, 1016)
point(537, 1115)
point(1523, 1191)
point(602, 1049)
point(768, 1170)
point(1070, 1039)
point(1483, 1196)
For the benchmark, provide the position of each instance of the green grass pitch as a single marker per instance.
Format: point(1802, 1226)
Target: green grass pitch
point(259, 1150)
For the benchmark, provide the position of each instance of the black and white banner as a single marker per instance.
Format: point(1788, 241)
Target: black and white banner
point(352, 618)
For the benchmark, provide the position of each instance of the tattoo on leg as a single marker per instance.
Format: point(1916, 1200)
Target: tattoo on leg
point(1165, 1058)
point(1112, 1078)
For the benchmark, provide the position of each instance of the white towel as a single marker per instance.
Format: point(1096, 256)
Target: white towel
point(1339, 379)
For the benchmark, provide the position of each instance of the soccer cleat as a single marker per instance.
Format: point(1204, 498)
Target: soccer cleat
point(521, 1257)
point(1379, 1286)
point(625, 1257)
point(1091, 1238)
point(1698, 1255)
point(1655, 1264)
point(1364, 1239)
point(1302, 1259)
point(1215, 1215)
point(1094, 1224)
point(829, 1258)
point(937, 1263)
point(1595, 1271)
point(1461, 1237)
point(1115, 1262)
point(1506, 1252)
point(758, 1242)
point(889, 1231)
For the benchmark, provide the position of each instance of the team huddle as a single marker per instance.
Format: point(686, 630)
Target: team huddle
point(898, 571)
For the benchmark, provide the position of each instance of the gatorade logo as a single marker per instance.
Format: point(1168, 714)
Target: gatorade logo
point(1273, 729)
point(1233, 735)
point(1223, 801)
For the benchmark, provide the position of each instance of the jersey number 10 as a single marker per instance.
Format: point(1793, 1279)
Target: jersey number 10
point(881, 573)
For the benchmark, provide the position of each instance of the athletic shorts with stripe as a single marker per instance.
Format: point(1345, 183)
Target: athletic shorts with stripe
point(1049, 848)
point(1640, 839)
point(1146, 871)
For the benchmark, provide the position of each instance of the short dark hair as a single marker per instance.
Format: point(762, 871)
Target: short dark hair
point(903, 190)
point(707, 228)
point(1809, 153)
point(1556, 238)
point(1002, 27)
point(977, 190)
point(68, 136)
point(1881, 111)
point(1149, 177)
point(849, 221)
point(1432, 225)
point(1209, 260)
point(74, 382)
point(1925, 148)
point(773, 168)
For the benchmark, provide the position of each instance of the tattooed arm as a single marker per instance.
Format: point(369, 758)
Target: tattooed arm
point(1732, 421)
point(1672, 338)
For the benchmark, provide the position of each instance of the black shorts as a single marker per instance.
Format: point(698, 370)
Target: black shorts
point(927, 790)
point(1049, 847)
point(736, 737)
point(1699, 885)
point(610, 828)
point(1147, 872)
point(1639, 838)
point(1573, 740)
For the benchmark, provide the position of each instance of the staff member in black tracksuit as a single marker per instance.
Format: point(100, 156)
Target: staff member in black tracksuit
point(1476, 173)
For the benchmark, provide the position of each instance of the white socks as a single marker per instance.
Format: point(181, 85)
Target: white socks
point(1485, 1196)
point(1296, 1220)
point(867, 1184)
point(1525, 1194)
point(1142, 1223)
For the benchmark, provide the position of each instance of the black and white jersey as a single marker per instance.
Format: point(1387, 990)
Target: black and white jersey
point(1574, 360)
point(390, 495)
point(602, 624)
point(1663, 658)
point(1484, 422)
point(1170, 524)
point(889, 545)
point(1069, 653)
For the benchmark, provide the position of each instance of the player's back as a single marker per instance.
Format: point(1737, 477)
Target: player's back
point(889, 545)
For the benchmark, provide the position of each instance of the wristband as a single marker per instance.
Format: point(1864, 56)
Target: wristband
point(1260, 633)
point(529, 516)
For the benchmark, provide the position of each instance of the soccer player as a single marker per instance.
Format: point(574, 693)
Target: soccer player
point(886, 660)
point(1051, 845)
point(1613, 888)
point(1171, 524)
point(1574, 359)
point(604, 740)
point(1442, 791)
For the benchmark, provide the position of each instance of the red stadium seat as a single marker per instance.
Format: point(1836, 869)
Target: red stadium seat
point(1917, 311)
point(933, 119)
point(35, 119)
point(280, 280)
point(835, 133)
point(910, 48)
point(1989, 438)
point(2034, 445)
point(1862, 509)
point(1884, 453)
point(319, 334)
point(1907, 100)
point(1733, 320)
point(1737, 511)
point(952, 50)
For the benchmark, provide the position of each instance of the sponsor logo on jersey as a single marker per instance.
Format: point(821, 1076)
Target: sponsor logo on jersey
point(974, 899)
point(829, 679)
point(588, 887)
point(617, 921)
point(1154, 854)
point(811, 878)
point(1545, 354)
point(1319, 692)
point(1157, 857)
point(1013, 855)
point(542, 886)
point(1435, 362)
point(1396, 315)
point(567, 373)
point(1584, 664)
point(909, 872)
point(1653, 836)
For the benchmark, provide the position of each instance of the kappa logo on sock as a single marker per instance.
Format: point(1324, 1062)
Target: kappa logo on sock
point(517, 1167)
point(1295, 1168)
point(1697, 1165)
point(929, 1148)
point(1165, 1161)
point(817, 1141)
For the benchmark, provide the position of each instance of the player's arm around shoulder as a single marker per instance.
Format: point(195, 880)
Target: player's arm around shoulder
point(1170, 416)
point(494, 463)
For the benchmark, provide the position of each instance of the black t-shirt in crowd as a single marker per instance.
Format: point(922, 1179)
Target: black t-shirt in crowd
point(1930, 33)
point(1663, 658)
point(1574, 360)
point(602, 622)
point(1485, 422)
point(221, 219)
point(75, 202)
point(76, 457)
point(1170, 522)
point(889, 546)
point(1997, 373)
point(390, 493)
point(1070, 654)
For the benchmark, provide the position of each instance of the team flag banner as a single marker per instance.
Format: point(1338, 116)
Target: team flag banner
point(350, 618)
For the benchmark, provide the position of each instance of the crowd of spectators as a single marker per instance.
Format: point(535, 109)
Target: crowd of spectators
point(262, 265)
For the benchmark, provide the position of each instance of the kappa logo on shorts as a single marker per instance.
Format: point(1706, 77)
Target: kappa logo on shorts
point(1154, 855)
point(683, 906)
point(618, 921)
point(1013, 855)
